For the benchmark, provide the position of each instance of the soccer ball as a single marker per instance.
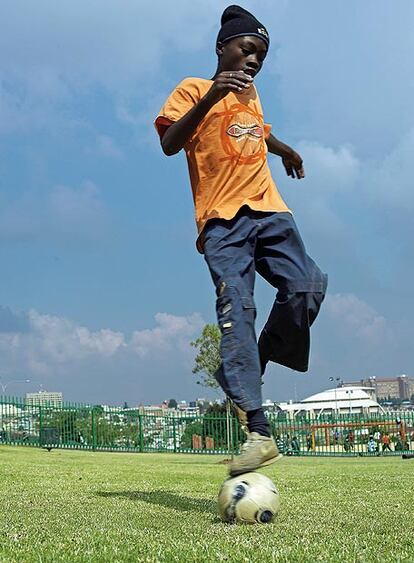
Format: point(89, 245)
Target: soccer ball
point(248, 498)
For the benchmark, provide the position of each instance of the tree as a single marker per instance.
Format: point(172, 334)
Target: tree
point(191, 428)
point(216, 409)
point(213, 424)
point(207, 362)
point(172, 404)
point(208, 359)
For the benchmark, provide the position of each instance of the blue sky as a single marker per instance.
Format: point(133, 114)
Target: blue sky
point(101, 287)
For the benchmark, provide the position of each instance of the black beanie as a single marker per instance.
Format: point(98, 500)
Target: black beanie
point(236, 22)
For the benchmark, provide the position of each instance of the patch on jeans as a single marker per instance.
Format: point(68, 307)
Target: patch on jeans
point(222, 288)
point(227, 325)
point(226, 309)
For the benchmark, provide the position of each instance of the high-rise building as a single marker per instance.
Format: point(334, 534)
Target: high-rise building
point(45, 397)
point(401, 387)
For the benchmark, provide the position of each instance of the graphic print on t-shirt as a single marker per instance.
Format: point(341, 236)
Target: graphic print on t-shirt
point(226, 154)
point(239, 130)
point(241, 133)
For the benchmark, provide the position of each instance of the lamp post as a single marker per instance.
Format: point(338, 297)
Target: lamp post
point(349, 392)
point(337, 379)
point(5, 385)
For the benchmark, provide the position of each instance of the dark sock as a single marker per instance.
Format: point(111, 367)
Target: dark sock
point(256, 422)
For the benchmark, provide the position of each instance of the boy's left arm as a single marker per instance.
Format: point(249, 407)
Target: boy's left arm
point(292, 161)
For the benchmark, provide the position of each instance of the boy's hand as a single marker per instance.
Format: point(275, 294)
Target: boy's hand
point(293, 164)
point(292, 161)
point(178, 133)
point(228, 81)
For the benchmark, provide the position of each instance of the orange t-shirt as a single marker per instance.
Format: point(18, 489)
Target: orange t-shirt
point(226, 155)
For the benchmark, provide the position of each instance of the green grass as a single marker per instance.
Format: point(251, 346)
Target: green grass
point(81, 506)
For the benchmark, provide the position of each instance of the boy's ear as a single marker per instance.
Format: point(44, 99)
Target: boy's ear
point(219, 48)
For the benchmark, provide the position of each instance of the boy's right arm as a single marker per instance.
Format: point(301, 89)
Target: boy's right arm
point(179, 132)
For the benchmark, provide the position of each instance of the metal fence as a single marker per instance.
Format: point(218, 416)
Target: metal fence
point(115, 429)
point(347, 434)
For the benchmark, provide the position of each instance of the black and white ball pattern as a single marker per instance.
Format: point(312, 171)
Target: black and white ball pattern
point(249, 498)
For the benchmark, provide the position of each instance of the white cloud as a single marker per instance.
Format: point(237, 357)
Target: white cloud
point(342, 76)
point(344, 197)
point(335, 169)
point(358, 319)
point(388, 182)
point(41, 344)
point(332, 89)
point(354, 339)
point(51, 341)
point(59, 340)
point(172, 331)
point(49, 56)
point(331, 178)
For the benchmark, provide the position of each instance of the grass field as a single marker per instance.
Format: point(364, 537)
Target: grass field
point(82, 506)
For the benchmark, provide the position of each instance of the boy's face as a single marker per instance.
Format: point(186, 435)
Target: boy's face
point(245, 53)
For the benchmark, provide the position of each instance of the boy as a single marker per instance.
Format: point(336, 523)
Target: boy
point(244, 225)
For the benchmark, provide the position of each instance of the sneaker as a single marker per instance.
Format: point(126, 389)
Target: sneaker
point(257, 451)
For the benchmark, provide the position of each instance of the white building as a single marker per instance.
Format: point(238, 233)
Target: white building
point(45, 398)
point(340, 400)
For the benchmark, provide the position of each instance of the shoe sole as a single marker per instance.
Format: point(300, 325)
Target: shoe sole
point(264, 464)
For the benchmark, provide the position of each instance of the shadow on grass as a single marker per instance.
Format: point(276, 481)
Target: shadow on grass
point(209, 463)
point(166, 499)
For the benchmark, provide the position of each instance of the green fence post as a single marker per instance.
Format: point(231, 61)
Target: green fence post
point(40, 426)
point(141, 434)
point(93, 429)
point(235, 435)
point(174, 435)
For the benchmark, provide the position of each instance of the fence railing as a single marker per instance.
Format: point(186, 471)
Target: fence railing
point(116, 429)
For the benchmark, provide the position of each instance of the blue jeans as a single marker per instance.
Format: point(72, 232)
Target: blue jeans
point(270, 244)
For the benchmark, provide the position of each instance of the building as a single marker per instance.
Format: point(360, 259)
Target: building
point(190, 408)
point(401, 387)
point(45, 398)
point(340, 400)
point(153, 410)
